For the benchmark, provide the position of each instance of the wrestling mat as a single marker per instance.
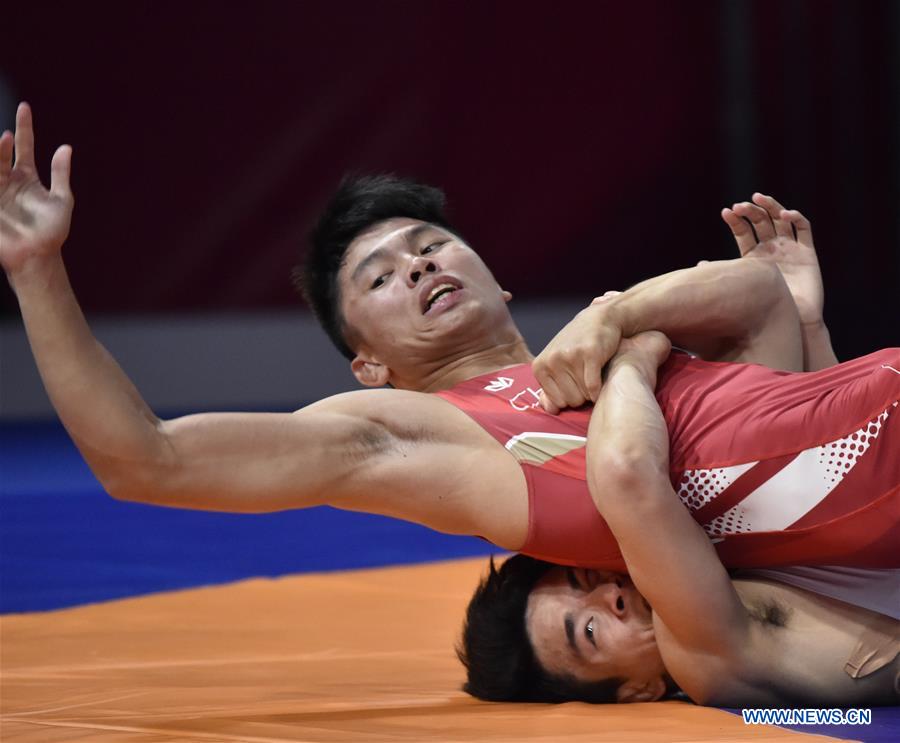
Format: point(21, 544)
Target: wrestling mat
point(130, 623)
point(364, 655)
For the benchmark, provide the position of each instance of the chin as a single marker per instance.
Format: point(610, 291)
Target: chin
point(463, 320)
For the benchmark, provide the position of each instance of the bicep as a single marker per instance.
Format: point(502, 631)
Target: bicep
point(733, 310)
point(257, 462)
point(389, 452)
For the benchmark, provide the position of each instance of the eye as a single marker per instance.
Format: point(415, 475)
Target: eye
point(379, 281)
point(431, 247)
point(589, 630)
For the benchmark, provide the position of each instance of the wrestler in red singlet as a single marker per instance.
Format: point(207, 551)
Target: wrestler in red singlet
point(780, 468)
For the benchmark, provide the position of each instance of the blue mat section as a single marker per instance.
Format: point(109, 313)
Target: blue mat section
point(64, 542)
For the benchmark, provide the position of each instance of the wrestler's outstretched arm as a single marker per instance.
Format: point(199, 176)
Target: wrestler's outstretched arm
point(342, 451)
point(669, 557)
point(784, 237)
point(133, 453)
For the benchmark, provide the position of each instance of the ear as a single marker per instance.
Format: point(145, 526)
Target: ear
point(370, 372)
point(641, 691)
point(507, 296)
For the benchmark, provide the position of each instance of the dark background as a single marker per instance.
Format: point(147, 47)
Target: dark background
point(583, 146)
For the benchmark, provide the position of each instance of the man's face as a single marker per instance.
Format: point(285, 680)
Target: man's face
point(592, 625)
point(412, 292)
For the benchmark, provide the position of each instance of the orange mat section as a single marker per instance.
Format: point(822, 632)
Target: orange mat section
point(355, 656)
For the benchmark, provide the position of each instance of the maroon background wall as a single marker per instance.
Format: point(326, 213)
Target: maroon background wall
point(584, 146)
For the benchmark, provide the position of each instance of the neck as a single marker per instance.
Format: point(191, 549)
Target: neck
point(445, 373)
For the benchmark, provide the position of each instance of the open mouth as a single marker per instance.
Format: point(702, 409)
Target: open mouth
point(438, 296)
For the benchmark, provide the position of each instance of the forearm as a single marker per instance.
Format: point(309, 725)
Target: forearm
point(817, 350)
point(627, 471)
point(669, 557)
point(99, 406)
point(627, 437)
point(724, 310)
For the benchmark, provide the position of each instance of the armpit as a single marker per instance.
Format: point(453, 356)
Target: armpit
point(369, 439)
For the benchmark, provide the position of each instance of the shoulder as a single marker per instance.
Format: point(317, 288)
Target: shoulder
point(432, 464)
point(406, 414)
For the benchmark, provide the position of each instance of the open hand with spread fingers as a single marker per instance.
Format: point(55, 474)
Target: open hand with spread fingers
point(34, 221)
point(764, 229)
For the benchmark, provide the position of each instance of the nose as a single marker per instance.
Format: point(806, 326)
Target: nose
point(418, 267)
point(611, 597)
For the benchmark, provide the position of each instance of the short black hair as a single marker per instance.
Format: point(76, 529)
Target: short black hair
point(359, 202)
point(500, 662)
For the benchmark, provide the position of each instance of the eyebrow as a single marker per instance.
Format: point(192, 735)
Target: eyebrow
point(570, 633)
point(365, 262)
point(380, 252)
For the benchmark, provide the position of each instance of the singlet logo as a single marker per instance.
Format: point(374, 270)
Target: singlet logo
point(499, 384)
point(527, 399)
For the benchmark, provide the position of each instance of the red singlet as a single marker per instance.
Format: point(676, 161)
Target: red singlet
point(780, 468)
